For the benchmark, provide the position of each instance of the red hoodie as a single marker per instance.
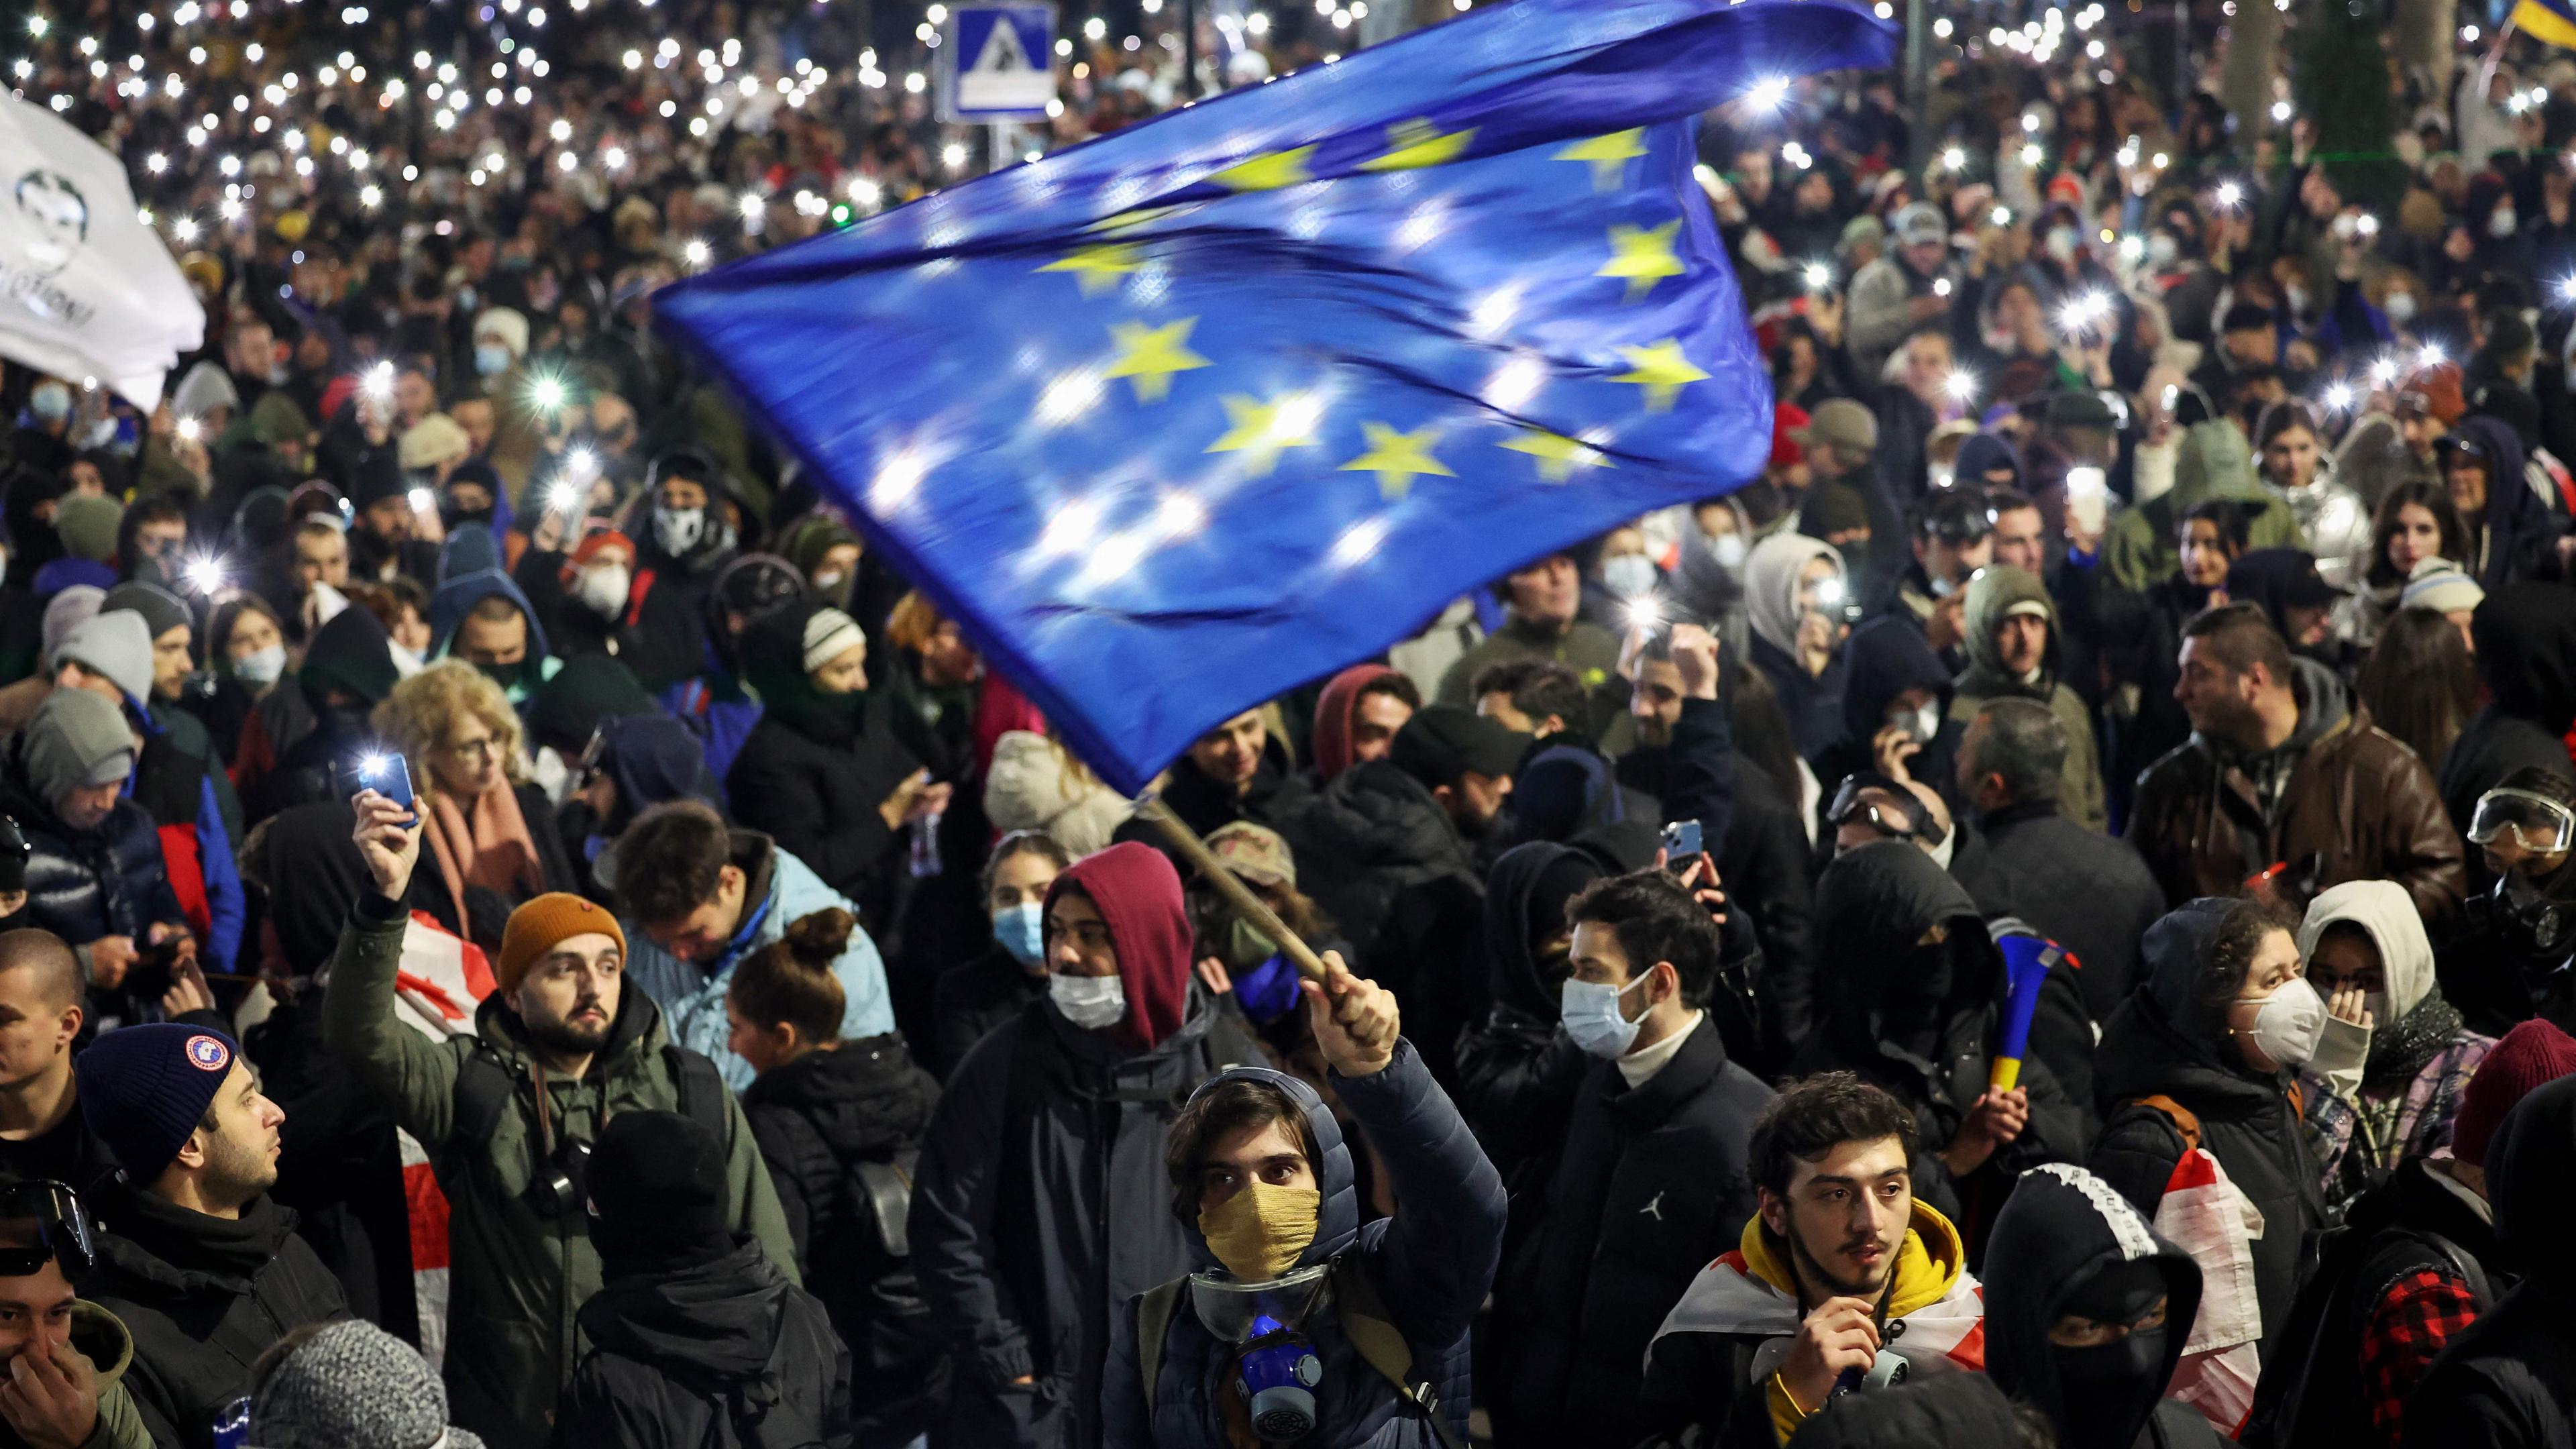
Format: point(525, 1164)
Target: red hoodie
point(1138, 895)
point(1333, 710)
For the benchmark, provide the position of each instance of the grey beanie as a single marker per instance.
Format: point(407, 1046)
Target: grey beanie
point(77, 739)
point(67, 611)
point(161, 609)
point(351, 1385)
point(113, 642)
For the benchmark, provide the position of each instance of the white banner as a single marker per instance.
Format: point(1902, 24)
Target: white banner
point(86, 289)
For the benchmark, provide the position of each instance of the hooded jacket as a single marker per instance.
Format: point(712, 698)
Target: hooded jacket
point(1333, 710)
point(1431, 1264)
point(2066, 1227)
point(2351, 804)
point(517, 1275)
point(1884, 658)
point(2248, 1121)
point(722, 1350)
point(202, 1297)
point(1040, 1205)
point(101, 1337)
point(1992, 597)
point(457, 596)
point(2389, 1092)
point(2143, 547)
point(1033, 784)
point(2516, 537)
point(2509, 1379)
point(2526, 637)
point(1813, 703)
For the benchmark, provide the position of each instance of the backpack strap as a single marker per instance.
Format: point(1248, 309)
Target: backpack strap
point(1366, 1324)
point(2184, 1120)
point(887, 1186)
point(483, 1088)
point(702, 1090)
point(1153, 1322)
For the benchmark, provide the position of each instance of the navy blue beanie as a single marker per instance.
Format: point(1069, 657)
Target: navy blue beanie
point(143, 1089)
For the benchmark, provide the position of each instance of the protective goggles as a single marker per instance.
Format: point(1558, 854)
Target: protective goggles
point(2539, 824)
point(1238, 1312)
point(41, 1221)
point(1885, 805)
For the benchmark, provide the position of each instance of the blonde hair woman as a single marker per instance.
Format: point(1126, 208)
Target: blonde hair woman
point(463, 743)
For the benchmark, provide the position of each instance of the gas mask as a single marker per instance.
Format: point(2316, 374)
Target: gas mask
point(2527, 922)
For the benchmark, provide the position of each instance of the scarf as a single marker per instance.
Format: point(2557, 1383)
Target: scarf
point(490, 848)
point(2399, 1050)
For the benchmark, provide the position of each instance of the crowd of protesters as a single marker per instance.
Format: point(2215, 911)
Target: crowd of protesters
point(2044, 918)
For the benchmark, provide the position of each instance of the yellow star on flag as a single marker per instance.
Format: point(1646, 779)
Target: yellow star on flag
point(1420, 143)
point(1397, 458)
point(1264, 429)
point(1558, 456)
point(1609, 156)
point(1137, 220)
point(1268, 172)
point(1148, 356)
point(1098, 268)
point(1643, 255)
point(1661, 370)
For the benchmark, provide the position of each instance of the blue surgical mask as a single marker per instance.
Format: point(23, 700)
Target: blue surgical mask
point(1590, 1011)
point(1628, 575)
point(1730, 550)
point(491, 359)
point(50, 401)
point(1022, 931)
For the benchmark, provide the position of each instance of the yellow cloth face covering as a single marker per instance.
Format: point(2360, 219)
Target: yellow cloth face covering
point(1259, 1232)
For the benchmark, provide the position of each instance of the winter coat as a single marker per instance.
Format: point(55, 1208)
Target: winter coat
point(2065, 1226)
point(974, 997)
point(816, 1119)
point(1431, 1265)
point(2336, 524)
point(2517, 538)
point(1812, 703)
point(82, 885)
point(2138, 638)
point(1991, 598)
point(1276, 797)
point(2355, 805)
point(203, 1297)
point(1762, 857)
point(2085, 890)
point(175, 784)
point(1590, 650)
point(1884, 658)
point(2248, 1120)
point(516, 1274)
point(2509, 1379)
point(2526, 637)
point(2143, 545)
point(1655, 1181)
point(778, 891)
point(1033, 784)
point(100, 1337)
point(682, 1359)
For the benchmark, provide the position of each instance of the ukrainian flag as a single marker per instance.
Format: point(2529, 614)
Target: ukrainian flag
point(2553, 21)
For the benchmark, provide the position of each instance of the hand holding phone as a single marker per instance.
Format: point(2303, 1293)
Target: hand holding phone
point(1681, 844)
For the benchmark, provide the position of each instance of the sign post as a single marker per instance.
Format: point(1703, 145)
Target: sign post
point(998, 66)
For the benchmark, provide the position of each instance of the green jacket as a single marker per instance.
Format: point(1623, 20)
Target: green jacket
point(1990, 596)
point(101, 1338)
point(2144, 547)
point(516, 1276)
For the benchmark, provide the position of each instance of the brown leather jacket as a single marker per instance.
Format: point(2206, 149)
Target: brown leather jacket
point(2357, 802)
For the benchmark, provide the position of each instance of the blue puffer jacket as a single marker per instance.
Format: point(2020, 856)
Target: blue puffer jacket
point(1431, 1263)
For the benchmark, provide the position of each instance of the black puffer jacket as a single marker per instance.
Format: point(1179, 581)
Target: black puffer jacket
point(108, 880)
point(2085, 890)
point(1277, 795)
point(975, 996)
point(2246, 1119)
point(204, 1297)
point(816, 1119)
point(733, 1343)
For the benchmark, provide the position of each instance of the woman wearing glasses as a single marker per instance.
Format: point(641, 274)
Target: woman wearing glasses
point(462, 740)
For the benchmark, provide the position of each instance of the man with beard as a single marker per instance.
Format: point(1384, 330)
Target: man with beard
point(508, 1116)
point(193, 1256)
point(1839, 1265)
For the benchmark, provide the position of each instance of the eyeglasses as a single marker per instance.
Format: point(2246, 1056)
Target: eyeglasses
point(475, 750)
point(2540, 825)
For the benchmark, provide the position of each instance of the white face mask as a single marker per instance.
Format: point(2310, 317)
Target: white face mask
point(2298, 300)
point(2161, 250)
point(2502, 223)
point(2288, 1024)
point(261, 667)
point(602, 590)
point(1628, 575)
point(1089, 1002)
point(2400, 307)
point(1729, 549)
point(1922, 724)
point(2061, 243)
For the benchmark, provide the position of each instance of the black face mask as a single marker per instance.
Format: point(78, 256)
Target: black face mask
point(2107, 1392)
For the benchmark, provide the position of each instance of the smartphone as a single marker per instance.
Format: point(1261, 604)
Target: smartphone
point(2087, 503)
point(387, 774)
point(1681, 845)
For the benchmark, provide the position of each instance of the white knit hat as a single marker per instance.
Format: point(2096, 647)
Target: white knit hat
point(828, 635)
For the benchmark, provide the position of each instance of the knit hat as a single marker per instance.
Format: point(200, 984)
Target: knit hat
point(1255, 852)
point(276, 420)
point(434, 440)
point(87, 524)
point(206, 388)
point(116, 643)
point(379, 477)
point(1442, 742)
point(1843, 423)
point(1788, 433)
point(657, 1188)
point(542, 924)
point(144, 1089)
point(76, 740)
point(505, 325)
point(828, 634)
point(2533, 1053)
point(161, 609)
point(567, 709)
point(2437, 584)
point(1832, 508)
point(590, 547)
point(67, 611)
point(352, 652)
point(351, 1385)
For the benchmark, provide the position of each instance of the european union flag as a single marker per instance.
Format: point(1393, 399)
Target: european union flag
point(1181, 418)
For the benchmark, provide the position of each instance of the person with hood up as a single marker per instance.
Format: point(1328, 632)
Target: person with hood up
point(2088, 1314)
point(2508, 1381)
point(2385, 1083)
point(2144, 543)
point(1899, 716)
point(2510, 533)
point(695, 1336)
point(634, 762)
point(1035, 783)
point(2197, 1069)
point(1356, 718)
point(2013, 650)
point(685, 536)
point(1796, 598)
point(65, 1358)
point(2509, 963)
point(1843, 1258)
point(2526, 638)
point(2284, 776)
point(2417, 1262)
point(1265, 1197)
point(480, 616)
point(1034, 1214)
point(300, 739)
